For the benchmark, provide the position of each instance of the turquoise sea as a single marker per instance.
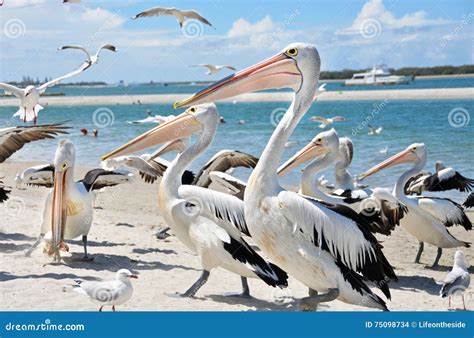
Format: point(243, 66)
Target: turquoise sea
point(444, 126)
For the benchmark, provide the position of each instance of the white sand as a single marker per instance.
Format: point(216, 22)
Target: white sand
point(123, 236)
point(377, 95)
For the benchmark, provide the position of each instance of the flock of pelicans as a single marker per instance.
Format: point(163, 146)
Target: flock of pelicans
point(324, 239)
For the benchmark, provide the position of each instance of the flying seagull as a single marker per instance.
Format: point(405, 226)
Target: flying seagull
point(91, 59)
point(214, 69)
point(181, 15)
point(327, 121)
point(374, 131)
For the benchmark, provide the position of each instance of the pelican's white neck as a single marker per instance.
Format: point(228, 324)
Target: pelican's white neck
point(399, 189)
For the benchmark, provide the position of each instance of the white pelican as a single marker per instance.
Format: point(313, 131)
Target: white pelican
point(114, 292)
point(377, 205)
point(327, 121)
point(4, 192)
point(426, 218)
point(458, 279)
point(196, 215)
point(180, 15)
point(13, 139)
point(91, 59)
point(443, 179)
point(321, 245)
point(214, 69)
point(68, 211)
point(374, 131)
point(469, 202)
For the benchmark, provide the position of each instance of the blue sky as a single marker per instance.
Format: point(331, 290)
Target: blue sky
point(348, 34)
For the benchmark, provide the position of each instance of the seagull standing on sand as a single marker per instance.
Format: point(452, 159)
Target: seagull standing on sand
point(181, 15)
point(114, 292)
point(374, 131)
point(457, 280)
point(214, 69)
point(327, 121)
point(91, 59)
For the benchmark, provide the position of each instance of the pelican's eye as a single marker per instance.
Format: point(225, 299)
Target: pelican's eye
point(192, 109)
point(64, 166)
point(292, 52)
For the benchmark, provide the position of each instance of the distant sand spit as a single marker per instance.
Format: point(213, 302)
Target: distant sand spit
point(372, 95)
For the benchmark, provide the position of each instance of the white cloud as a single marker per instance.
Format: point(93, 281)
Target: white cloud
point(99, 15)
point(242, 27)
point(375, 11)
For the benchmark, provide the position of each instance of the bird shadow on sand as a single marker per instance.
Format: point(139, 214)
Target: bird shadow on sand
point(258, 304)
point(113, 263)
point(128, 225)
point(15, 237)
point(12, 247)
point(6, 276)
point(153, 250)
point(416, 284)
point(95, 243)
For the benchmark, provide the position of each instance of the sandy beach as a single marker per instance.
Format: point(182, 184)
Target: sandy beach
point(123, 236)
point(376, 95)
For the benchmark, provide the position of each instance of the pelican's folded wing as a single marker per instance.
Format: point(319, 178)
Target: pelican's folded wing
point(223, 209)
point(446, 211)
point(40, 176)
point(96, 179)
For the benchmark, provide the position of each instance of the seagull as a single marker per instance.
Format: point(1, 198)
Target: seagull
point(153, 119)
point(91, 59)
point(14, 138)
point(457, 280)
point(181, 15)
point(383, 151)
point(327, 121)
point(114, 292)
point(322, 87)
point(374, 131)
point(29, 96)
point(214, 69)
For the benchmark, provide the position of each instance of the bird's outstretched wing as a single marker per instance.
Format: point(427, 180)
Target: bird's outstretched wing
point(155, 11)
point(338, 118)
point(14, 138)
point(39, 176)
point(96, 179)
point(41, 89)
point(110, 47)
point(318, 119)
point(223, 161)
point(195, 15)
point(9, 89)
point(229, 67)
point(76, 47)
point(4, 192)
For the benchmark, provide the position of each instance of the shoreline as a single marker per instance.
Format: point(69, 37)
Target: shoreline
point(361, 95)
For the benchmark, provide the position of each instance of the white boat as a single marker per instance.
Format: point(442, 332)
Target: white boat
point(378, 75)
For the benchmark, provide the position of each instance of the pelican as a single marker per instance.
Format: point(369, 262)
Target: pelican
point(427, 218)
point(91, 59)
point(443, 179)
point(13, 139)
point(29, 96)
point(180, 15)
point(68, 211)
point(214, 69)
point(314, 242)
point(195, 214)
point(469, 202)
point(377, 206)
point(4, 192)
point(374, 131)
point(327, 121)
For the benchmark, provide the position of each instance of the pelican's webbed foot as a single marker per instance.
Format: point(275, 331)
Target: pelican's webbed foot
point(310, 303)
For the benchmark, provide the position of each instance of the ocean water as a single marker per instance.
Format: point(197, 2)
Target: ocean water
point(447, 82)
point(444, 126)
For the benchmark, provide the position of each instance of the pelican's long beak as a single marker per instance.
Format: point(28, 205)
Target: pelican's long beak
point(133, 276)
point(279, 71)
point(175, 145)
point(182, 126)
point(59, 212)
point(309, 152)
point(405, 156)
